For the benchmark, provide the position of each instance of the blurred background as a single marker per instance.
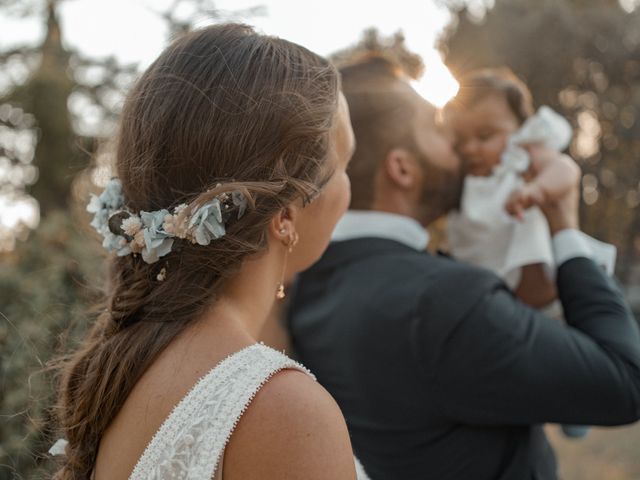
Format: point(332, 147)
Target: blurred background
point(65, 66)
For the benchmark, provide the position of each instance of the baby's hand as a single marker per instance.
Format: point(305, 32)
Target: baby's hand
point(554, 172)
point(555, 188)
point(523, 198)
point(551, 178)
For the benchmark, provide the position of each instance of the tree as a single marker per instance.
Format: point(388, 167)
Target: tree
point(45, 96)
point(48, 74)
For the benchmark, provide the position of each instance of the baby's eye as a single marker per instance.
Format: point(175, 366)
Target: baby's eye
point(485, 135)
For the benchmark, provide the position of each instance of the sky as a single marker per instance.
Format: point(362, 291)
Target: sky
point(130, 30)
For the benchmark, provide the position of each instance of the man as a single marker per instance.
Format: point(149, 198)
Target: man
point(440, 372)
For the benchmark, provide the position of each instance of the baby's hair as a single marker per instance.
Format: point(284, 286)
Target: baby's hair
point(480, 84)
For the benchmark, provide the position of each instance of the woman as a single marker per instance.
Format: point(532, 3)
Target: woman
point(232, 147)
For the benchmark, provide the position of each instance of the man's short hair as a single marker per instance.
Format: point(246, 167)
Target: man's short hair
point(382, 107)
point(480, 84)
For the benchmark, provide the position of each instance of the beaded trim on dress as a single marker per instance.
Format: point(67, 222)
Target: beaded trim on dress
point(191, 441)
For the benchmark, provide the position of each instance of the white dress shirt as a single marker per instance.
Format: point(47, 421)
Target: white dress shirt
point(371, 223)
point(566, 244)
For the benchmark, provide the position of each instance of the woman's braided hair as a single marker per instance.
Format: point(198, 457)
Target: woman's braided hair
point(222, 109)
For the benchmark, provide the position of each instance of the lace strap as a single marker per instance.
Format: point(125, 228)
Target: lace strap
point(191, 441)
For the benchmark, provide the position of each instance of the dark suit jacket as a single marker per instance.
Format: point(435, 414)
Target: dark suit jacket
point(442, 374)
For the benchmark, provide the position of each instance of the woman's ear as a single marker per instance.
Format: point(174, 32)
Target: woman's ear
point(283, 224)
point(402, 169)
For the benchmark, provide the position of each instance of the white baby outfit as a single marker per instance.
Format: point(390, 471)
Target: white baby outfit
point(481, 232)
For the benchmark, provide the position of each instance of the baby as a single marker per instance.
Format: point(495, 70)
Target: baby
point(493, 120)
point(497, 226)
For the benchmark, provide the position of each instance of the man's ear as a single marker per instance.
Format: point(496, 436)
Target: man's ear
point(401, 168)
point(283, 224)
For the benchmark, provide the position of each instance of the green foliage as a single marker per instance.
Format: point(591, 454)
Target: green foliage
point(45, 303)
point(45, 95)
point(56, 156)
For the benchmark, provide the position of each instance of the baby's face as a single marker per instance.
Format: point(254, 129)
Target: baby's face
point(481, 134)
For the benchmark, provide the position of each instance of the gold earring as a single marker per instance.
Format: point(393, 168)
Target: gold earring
point(291, 243)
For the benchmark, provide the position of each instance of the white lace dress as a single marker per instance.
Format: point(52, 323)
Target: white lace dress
point(190, 443)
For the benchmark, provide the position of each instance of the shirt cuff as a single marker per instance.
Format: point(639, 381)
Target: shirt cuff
point(571, 243)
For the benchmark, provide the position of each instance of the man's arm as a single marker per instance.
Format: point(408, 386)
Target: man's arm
point(535, 287)
point(506, 363)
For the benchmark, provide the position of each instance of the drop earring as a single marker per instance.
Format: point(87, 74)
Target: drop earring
point(291, 243)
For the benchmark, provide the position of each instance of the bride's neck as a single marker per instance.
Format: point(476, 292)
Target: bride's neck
point(249, 296)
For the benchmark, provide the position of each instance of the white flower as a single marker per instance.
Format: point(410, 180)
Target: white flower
point(59, 448)
point(180, 209)
point(138, 240)
point(177, 224)
point(131, 225)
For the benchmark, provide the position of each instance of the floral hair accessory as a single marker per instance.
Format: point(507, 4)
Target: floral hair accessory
point(152, 234)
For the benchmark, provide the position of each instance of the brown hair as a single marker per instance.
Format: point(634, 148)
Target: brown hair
point(480, 84)
point(221, 105)
point(381, 105)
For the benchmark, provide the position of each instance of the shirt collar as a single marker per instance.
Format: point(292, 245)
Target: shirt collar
point(391, 226)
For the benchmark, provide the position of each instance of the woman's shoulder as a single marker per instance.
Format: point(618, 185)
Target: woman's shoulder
point(293, 391)
point(294, 429)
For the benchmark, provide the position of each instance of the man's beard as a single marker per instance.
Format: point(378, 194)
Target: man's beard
point(441, 192)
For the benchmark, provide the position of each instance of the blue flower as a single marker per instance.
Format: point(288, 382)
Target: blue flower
point(112, 197)
point(100, 220)
point(102, 206)
point(208, 222)
point(116, 243)
point(240, 201)
point(95, 205)
point(152, 233)
point(157, 242)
